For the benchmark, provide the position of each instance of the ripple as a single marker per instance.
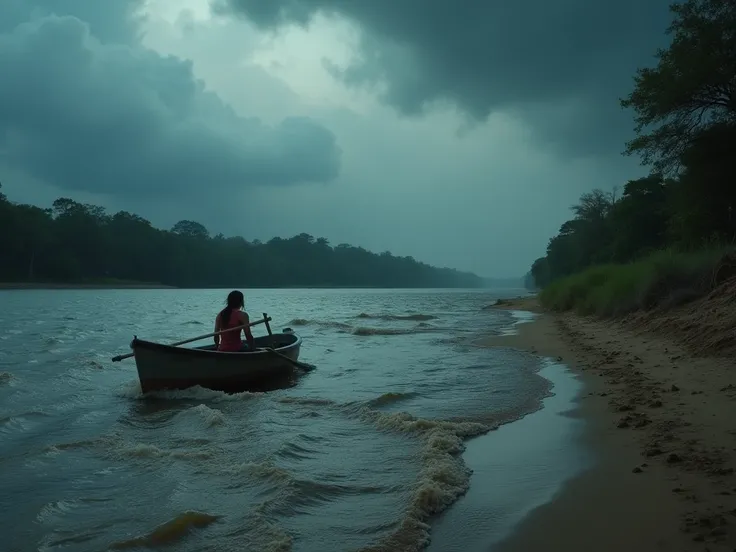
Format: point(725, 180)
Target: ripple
point(362, 452)
point(171, 532)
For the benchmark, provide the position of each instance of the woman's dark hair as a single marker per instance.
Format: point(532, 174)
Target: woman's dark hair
point(235, 300)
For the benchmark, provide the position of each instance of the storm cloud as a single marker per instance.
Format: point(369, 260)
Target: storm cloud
point(85, 107)
point(560, 66)
point(147, 105)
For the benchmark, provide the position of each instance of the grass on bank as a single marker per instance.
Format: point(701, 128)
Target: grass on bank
point(663, 279)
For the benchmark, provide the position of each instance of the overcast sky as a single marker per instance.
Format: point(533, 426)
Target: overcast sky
point(455, 131)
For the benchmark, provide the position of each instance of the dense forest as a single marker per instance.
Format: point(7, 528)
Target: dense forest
point(73, 242)
point(685, 114)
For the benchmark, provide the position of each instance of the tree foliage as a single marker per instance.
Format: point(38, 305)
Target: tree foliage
point(76, 242)
point(692, 88)
point(685, 110)
point(692, 211)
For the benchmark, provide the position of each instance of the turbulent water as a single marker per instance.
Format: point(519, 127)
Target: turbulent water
point(358, 455)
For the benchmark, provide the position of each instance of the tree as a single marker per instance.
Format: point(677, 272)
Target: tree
point(685, 111)
point(191, 229)
point(704, 198)
point(692, 88)
point(539, 273)
point(639, 220)
point(75, 242)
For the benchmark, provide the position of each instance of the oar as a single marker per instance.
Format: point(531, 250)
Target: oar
point(264, 320)
point(303, 365)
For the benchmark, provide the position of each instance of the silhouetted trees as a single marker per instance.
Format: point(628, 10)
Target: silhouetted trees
point(75, 242)
point(685, 111)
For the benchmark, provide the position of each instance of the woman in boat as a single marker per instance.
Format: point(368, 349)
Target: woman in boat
point(229, 317)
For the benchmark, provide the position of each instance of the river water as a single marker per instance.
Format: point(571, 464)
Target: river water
point(358, 455)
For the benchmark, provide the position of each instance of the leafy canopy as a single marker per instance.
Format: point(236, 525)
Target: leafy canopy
point(692, 88)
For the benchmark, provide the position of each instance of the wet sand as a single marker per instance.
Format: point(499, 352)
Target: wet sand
point(660, 425)
point(516, 468)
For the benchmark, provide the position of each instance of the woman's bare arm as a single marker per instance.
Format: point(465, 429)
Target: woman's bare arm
point(217, 329)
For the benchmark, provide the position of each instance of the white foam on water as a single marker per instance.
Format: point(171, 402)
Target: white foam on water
point(519, 317)
point(53, 510)
point(211, 416)
point(443, 476)
point(132, 390)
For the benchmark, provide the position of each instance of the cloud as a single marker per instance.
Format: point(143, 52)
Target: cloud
point(115, 20)
point(100, 113)
point(537, 58)
point(486, 202)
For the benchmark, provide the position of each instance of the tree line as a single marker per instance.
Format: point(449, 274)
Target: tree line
point(685, 115)
point(74, 242)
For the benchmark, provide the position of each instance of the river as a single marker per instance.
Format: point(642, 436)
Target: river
point(357, 455)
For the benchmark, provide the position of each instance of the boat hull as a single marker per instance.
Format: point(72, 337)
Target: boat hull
point(163, 367)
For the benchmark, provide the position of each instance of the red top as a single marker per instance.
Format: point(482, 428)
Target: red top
point(231, 341)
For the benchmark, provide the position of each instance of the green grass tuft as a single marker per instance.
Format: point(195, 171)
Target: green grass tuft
point(663, 279)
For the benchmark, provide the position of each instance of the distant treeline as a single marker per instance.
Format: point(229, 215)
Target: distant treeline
point(685, 111)
point(74, 242)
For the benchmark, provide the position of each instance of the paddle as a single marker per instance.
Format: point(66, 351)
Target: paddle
point(264, 320)
point(302, 365)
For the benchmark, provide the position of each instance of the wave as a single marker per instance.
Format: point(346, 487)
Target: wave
point(211, 416)
point(55, 509)
point(322, 323)
point(441, 480)
point(306, 401)
point(264, 470)
point(132, 390)
point(457, 340)
point(291, 495)
point(170, 532)
point(144, 450)
point(295, 452)
point(20, 422)
point(299, 322)
point(408, 317)
point(391, 398)
point(443, 477)
point(365, 331)
point(113, 446)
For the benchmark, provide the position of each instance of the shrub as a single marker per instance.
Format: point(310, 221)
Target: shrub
point(662, 279)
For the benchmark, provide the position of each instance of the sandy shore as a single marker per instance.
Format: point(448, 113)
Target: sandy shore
point(661, 424)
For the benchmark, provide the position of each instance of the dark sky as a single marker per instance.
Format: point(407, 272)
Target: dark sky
point(458, 132)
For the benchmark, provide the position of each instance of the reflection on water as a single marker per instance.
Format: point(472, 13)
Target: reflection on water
point(357, 455)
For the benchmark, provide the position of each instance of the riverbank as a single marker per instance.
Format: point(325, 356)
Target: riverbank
point(659, 422)
point(84, 285)
point(143, 285)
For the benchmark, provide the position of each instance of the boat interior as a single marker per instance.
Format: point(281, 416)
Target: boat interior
point(275, 341)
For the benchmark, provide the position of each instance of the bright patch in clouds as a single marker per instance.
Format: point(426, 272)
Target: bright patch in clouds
point(298, 56)
point(174, 11)
point(363, 127)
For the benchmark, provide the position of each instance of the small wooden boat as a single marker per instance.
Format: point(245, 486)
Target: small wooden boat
point(274, 361)
point(162, 367)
